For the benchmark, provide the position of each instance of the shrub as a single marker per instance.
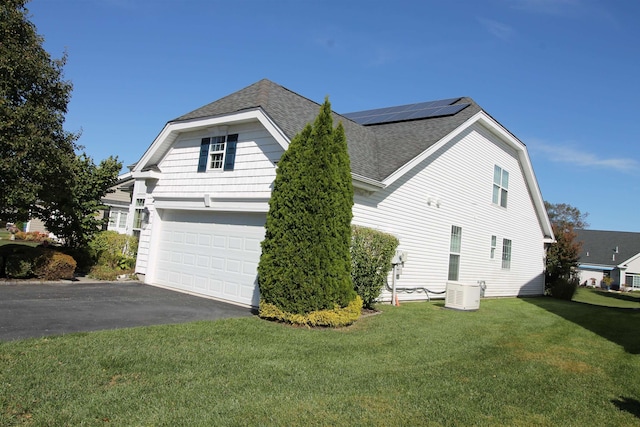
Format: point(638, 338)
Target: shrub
point(82, 256)
point(103, 272)
point(563, 288)
point(305, 262)
point(371, 254)
point(334, 318)
point(114, 250)
point(19, 266)
point(54, 265)
point(23, 262)
point(17, 261)
point(32, 236)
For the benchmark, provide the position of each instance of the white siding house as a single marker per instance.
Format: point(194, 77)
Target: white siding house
point(202, 188)
point(613, 255)
point(118, 203)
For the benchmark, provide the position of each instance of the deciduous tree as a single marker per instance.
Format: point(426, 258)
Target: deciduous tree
point(562, 256)
point(34, 147)
point(71, 214)
point(40, 172)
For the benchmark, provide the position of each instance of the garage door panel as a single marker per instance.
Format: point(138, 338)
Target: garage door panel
point(220, 242)
point(203, 261)
point(215, 254)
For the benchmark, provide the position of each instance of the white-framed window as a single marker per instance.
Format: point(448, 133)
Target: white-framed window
point(217, 149)
point(500, 186)
point(493, 246)
point(454, 252)
point(117, 219)
point(113, 219)
point(122, 221)
point(633, 280)
point(218, 153)
point(506, 254)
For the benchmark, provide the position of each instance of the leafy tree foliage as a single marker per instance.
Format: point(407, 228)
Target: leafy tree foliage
point(305, 263)
point(562, 256)
point(40, 172)
point(70, 215)
point(565, 216)
point(34, 148)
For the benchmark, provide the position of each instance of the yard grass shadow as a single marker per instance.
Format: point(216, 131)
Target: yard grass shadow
point(618, 325)
point(628, 404)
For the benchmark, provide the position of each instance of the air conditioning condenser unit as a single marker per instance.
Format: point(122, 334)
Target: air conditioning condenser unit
point(462, 296)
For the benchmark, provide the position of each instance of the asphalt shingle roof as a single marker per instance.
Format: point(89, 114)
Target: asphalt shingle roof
point(601, 246)
point(376, 151)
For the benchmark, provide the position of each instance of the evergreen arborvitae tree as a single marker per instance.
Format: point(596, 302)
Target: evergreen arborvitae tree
point(305, 263)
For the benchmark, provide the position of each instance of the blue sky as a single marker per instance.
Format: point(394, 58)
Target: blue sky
point(562, 75)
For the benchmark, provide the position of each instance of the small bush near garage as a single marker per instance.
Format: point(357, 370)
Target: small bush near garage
point(113, 254)
point(371, 254)
point(24, 262)
point(54, 265)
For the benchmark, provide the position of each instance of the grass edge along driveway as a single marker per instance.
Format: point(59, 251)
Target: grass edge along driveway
point(532, 361)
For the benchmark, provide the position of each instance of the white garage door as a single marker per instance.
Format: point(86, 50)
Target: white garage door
point(213, 254)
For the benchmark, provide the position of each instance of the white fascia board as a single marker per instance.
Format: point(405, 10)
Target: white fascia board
point(625, 263)
point(497, 129)
point(172, 130)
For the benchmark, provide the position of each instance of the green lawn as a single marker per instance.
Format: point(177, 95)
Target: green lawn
point(534, 361)
point(609, 299)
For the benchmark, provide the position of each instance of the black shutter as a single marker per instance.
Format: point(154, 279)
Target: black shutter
point(204, 155)
point(230, 156)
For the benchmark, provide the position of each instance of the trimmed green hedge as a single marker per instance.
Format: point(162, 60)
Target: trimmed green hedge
point(24, 262)
point(371, 255)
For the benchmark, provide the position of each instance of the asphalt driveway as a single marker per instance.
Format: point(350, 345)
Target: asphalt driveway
point(36, 310)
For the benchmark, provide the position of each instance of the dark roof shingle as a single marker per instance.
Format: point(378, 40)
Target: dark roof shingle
point(376, 151)
point(599, 246)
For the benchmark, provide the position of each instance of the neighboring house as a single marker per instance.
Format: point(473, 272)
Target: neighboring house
point(35, 224)
point(609, 254)
point(118, 203)
point(448, 180)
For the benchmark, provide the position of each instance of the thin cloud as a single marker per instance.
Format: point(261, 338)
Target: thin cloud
point(548, 7)
point(571, 155)
point(498, 29)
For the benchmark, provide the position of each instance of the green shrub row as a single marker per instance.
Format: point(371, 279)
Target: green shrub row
point(371, 255)
point(334, 318)
point(24, 262)
point(114, 250)
point(32, 236)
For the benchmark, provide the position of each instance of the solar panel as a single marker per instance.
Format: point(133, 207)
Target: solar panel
point(400, 113)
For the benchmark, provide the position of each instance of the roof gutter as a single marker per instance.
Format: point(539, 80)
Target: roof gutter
point(366, 184)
